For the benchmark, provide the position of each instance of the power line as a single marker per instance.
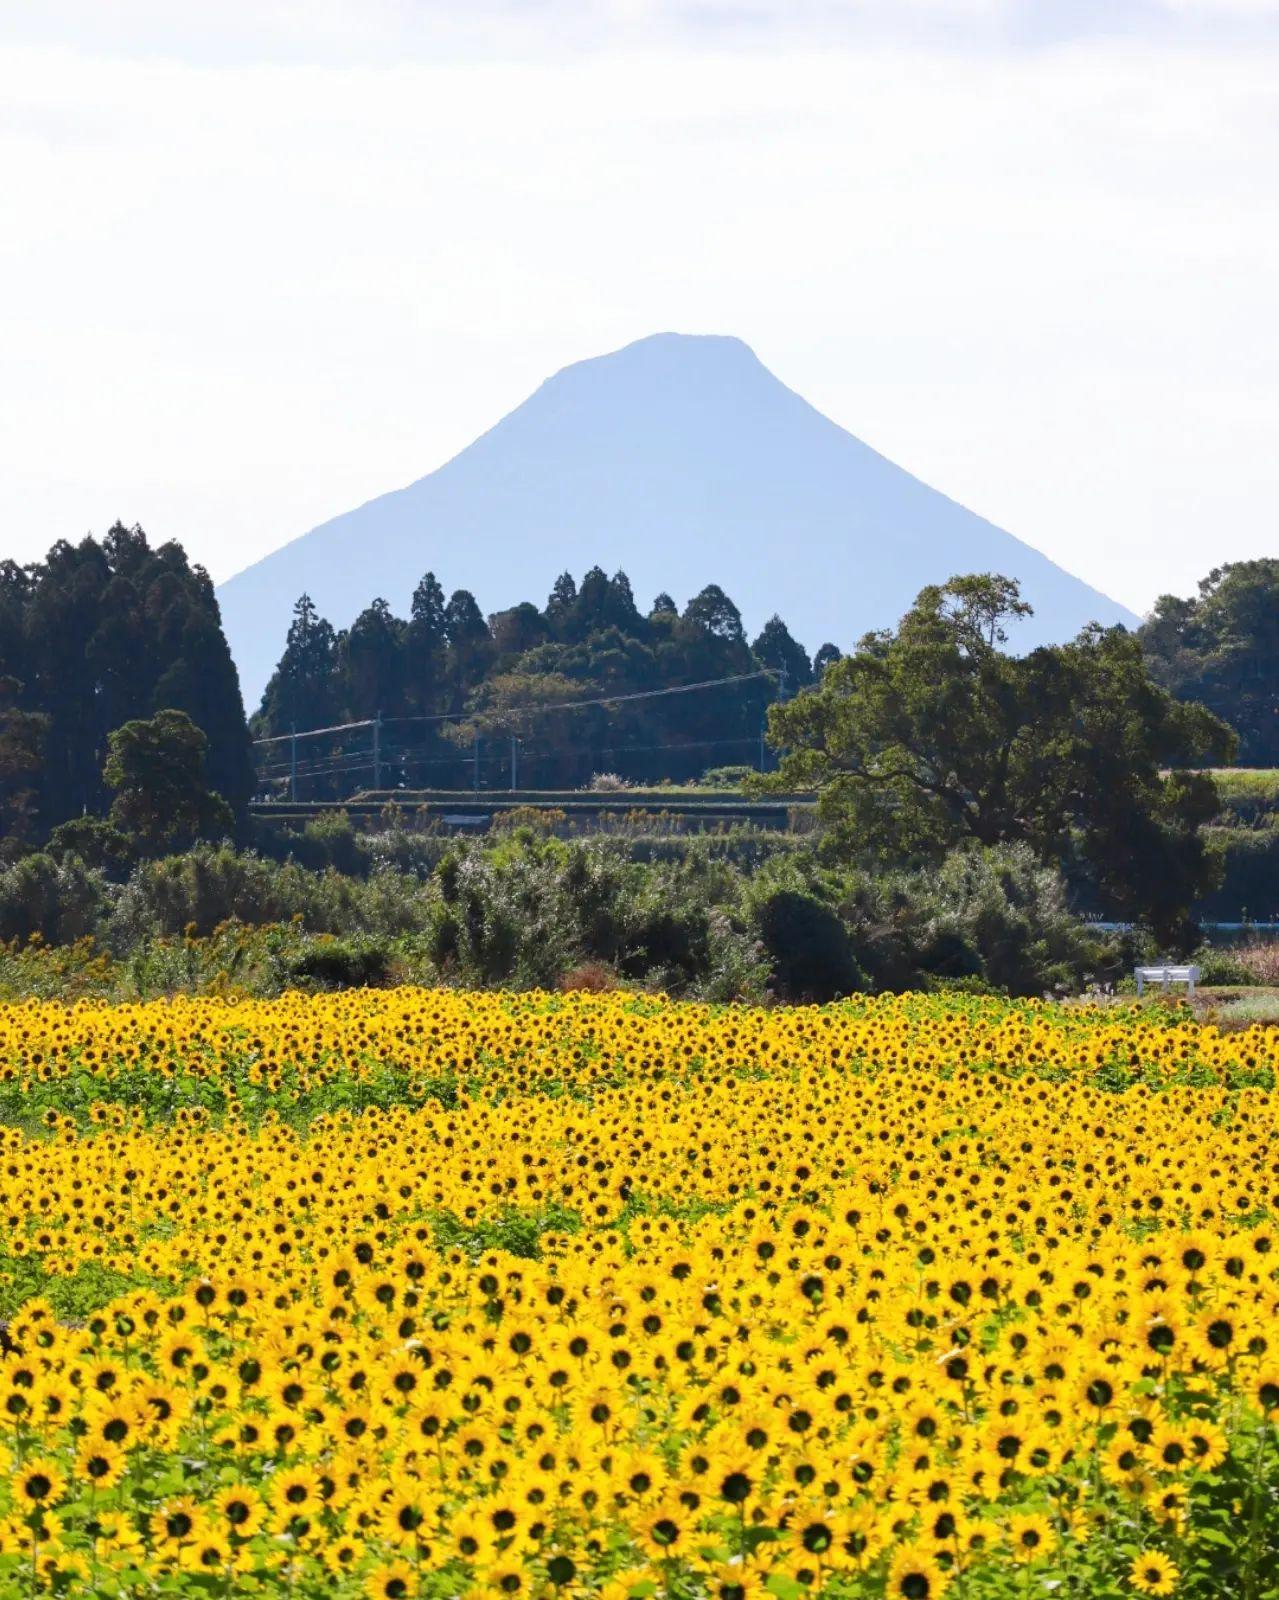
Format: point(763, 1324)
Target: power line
point(564, 705)
point(602, 700)
point(314, 733)
point(355, 761)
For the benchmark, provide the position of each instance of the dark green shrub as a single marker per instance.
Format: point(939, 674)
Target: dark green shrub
point(945, 954)
point(810, 952)
point(97, 842)
point(725, 777)
point(341, 963)
point(206, 887)
point(1012, 914)
point(331, 841)
point(60, 901)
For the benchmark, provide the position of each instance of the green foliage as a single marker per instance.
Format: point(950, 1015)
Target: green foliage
point(301, 693)
point(1249, 797)
point(988, 919)
point(106, 632)
point(328, 963)
point(1222, 649)
point(24, 736)
point(97, 842)
point(528, 910)
point(809, 948)
point(730, 778)
point(519, 1232)
point(1002, 915)
point(205, 887)
point(500, 677)
point(934, 738)
point(525, 910)
point(1220, 965)
point(331, 841)
point(73, 1298)
point(776, 648)
point(157, 769)
point(44, 899)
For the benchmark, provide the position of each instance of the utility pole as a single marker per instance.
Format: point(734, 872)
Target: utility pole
point(293, 761)
point(476, 760)
point(764, 724)
point(515, 761)
point(781, 701)
point(377, 751)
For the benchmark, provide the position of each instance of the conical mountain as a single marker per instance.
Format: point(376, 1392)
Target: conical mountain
point(682, 460)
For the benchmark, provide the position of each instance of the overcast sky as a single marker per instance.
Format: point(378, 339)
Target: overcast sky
point(264, 259)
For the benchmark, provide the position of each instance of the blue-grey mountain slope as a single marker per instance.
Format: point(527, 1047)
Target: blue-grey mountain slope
point(683, 461)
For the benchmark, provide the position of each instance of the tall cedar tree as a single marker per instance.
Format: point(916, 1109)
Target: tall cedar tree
point(23, 738)
point(111, 630)
point(303, 691)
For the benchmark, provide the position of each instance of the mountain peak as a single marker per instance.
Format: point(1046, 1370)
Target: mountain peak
point(682, 348)
point(716, 358)
point(681, 459)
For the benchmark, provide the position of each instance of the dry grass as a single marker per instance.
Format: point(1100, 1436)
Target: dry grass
point(1260, 957)
point(592, 977)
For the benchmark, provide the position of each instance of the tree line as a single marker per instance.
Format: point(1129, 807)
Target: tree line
point(122, 732)
point(493, 676)
point(447, 676)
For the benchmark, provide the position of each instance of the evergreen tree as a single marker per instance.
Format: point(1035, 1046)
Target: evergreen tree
point(371, 664)
point(560, 606)
point(714, 612)
point(464, 624)
point(777, 649)
point(201, 681)
point(623, 612)
point(593, 608)
point(470, 647)
point(591, 639)
point(425, 643)
point(303, 691)
point(520, 629)
point(23, 736)
point(108, 631)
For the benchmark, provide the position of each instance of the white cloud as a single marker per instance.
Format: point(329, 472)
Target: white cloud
point(258, 269)
point(343, 31)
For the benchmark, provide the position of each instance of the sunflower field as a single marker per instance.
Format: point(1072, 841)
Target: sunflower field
point(412, 1293)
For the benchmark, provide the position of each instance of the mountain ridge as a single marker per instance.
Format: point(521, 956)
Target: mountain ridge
point(683, 460)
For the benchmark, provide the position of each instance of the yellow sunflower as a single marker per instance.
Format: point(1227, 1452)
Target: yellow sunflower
point(1153, 1573)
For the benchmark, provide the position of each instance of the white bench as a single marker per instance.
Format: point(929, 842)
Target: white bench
point(1167, 975)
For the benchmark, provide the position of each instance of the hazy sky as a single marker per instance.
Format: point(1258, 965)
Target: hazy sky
point(265, 259)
